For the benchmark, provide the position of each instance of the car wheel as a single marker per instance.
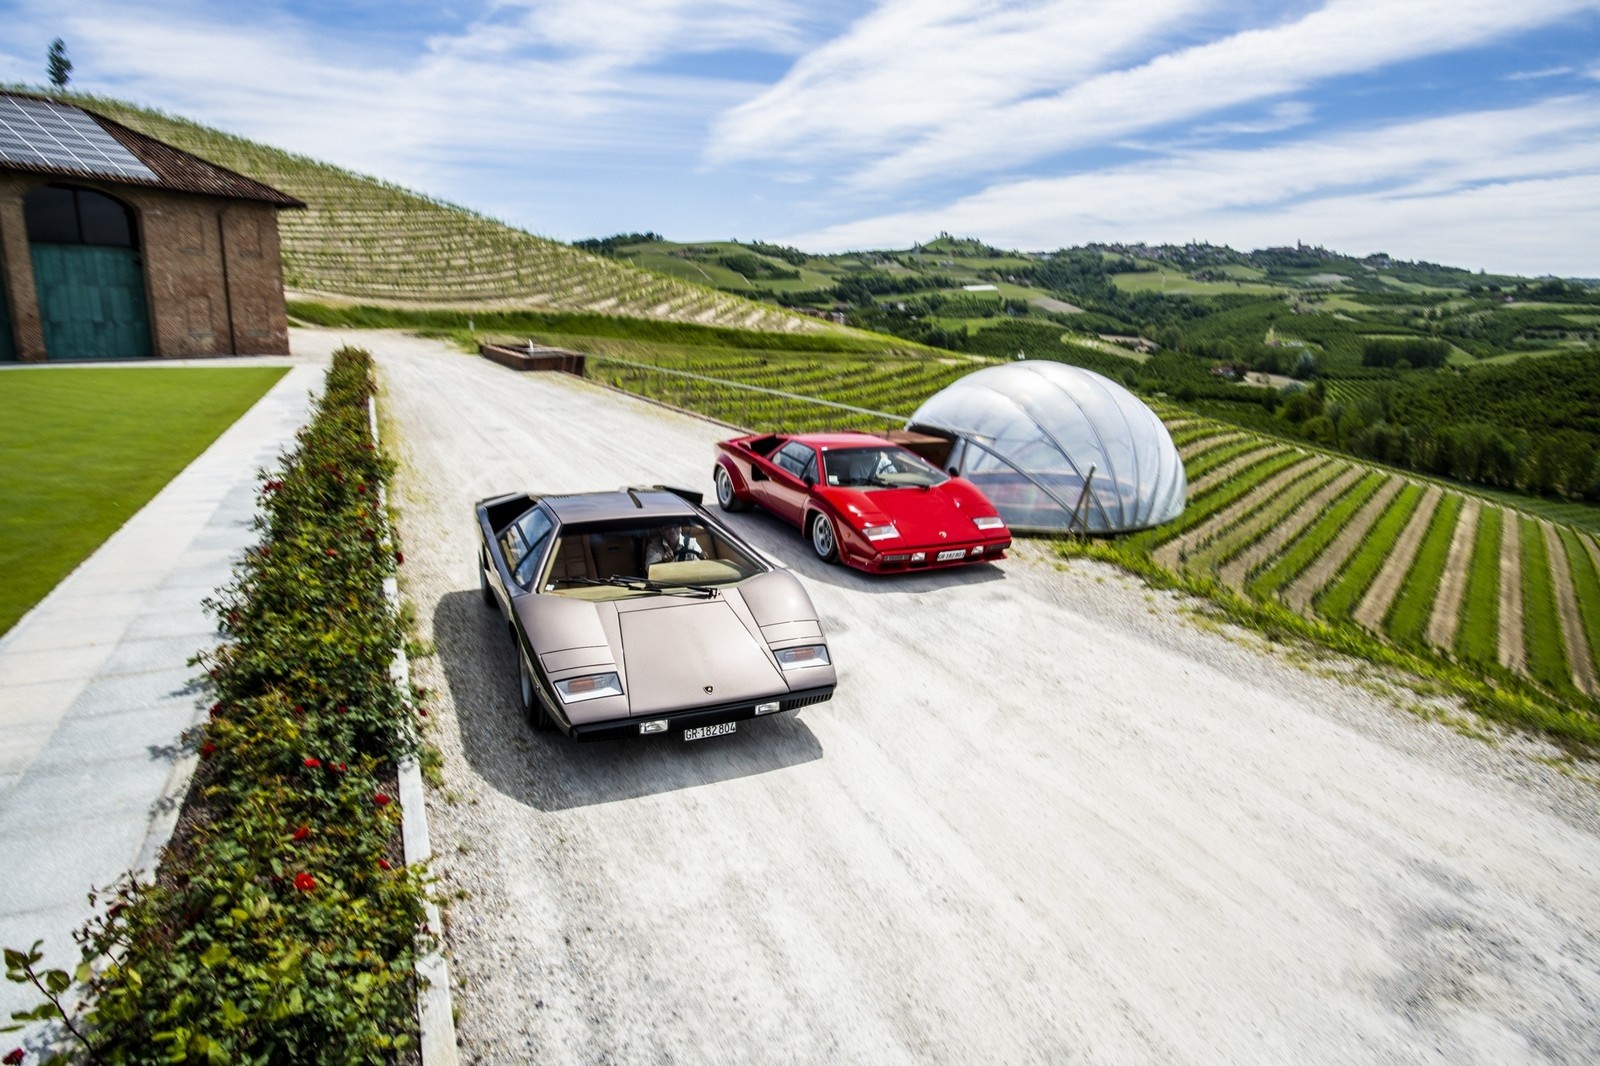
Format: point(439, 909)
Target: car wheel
point(532, 709)
point(823, 541)
point(483, 582)
point(727, 499)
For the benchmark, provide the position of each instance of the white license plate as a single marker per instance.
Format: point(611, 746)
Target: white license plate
point(701, 732)
point(953, 553)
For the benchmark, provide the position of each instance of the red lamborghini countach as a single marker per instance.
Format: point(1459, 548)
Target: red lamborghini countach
point(862, 500)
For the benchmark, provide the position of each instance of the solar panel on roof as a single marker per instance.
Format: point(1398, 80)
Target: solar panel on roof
point(41, 133)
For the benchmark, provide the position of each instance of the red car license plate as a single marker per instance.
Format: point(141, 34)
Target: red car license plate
point(954, 553)
point(701, 732)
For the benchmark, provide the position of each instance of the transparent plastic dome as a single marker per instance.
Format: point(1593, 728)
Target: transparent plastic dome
point(1058, 448)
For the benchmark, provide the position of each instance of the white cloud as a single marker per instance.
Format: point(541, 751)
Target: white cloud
point(912, 68)
point(1083, 104)
point(519, 84)
point(1506, 181)
point(1279, 117)
point(594, 36)
point(1534, 75)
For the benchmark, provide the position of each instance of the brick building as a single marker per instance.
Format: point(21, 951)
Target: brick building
point(115, 245)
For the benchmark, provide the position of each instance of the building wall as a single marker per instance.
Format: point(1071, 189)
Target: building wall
point(213, 270)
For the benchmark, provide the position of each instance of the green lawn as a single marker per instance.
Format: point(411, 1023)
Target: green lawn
point(83, 448)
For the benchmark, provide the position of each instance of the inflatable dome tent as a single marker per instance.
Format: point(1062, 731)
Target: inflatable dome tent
point(1056, 447)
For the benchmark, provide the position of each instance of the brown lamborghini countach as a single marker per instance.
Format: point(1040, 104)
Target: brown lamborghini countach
point(637, 613)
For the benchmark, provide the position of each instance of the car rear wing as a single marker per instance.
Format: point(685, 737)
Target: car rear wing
point(687, 495)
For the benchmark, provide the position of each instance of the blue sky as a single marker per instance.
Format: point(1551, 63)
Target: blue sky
point(1465, 132)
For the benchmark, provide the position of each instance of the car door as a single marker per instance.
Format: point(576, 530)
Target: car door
point(758, 476)
point(523, 545)
point(794, 470)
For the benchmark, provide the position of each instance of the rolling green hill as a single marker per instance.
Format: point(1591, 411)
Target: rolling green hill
point(363, 239)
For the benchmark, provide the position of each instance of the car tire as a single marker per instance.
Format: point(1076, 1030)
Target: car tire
point(532, 709)
point(824, 541)
point(727, 499)
point(483, 581)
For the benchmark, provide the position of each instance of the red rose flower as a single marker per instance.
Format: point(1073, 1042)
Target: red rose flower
point(341, 708)
point(423, 711)
point(312, 762)
point(332, 552)
point(339, 766)
point(302, 832)
point(13, 1057)
point(399, 558)
point(381, 799)
point(383, 864)
point(305, 882)
point(207, 750)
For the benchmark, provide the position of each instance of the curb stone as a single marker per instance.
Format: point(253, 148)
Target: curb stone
point(435, 1011)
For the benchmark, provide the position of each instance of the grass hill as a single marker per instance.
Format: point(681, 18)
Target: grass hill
point(364, 239)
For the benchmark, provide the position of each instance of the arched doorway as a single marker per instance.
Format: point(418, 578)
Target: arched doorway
point(87, 269)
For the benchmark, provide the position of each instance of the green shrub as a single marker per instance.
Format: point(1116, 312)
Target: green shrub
point(282, 924)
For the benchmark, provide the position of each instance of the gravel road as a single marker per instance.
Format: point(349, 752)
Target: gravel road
point(1048, 817)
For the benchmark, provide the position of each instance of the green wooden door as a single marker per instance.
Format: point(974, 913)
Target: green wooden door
point(91, 302)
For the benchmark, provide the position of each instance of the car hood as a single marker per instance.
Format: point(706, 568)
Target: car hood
point(675, 652)
point(923, 516)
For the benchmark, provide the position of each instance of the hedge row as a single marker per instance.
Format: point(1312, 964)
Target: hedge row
point(283, 922)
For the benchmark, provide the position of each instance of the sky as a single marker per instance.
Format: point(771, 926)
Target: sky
point(1464, 132)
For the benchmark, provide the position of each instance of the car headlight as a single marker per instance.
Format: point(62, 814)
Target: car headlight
point(592, 687)
point(989, 521)
point(883, 532)
point(799, 658)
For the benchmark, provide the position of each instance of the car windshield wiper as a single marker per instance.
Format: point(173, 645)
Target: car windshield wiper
point(639, 584)
point(628, 581)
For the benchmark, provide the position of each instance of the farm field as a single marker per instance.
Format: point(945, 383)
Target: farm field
point(1174, 284)
point(81, 451)
point(1425, 569)
point(361, 238)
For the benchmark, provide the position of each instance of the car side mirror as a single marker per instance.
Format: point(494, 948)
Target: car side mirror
point(809, 480)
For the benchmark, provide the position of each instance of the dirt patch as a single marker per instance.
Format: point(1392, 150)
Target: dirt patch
point(1446, 616)
point(1374, 606)
point(1326, 566)
point(1572, 632)
point(1199, 447)
point(1059, 306)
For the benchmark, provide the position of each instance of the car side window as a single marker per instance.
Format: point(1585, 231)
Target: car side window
point(797, 459)
point(534, 529)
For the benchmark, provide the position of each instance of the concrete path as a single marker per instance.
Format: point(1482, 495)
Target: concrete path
point(95, 686)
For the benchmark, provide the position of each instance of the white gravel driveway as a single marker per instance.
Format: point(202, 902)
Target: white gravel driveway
point(1046, 818)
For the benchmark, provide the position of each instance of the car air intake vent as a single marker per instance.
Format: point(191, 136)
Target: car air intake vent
point(805, 701)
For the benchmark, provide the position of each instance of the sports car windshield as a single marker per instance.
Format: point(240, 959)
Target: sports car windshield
point(884, 466)
point(618, 561)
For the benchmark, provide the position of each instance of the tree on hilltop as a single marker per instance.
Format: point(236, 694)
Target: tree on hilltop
point(60, 65)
